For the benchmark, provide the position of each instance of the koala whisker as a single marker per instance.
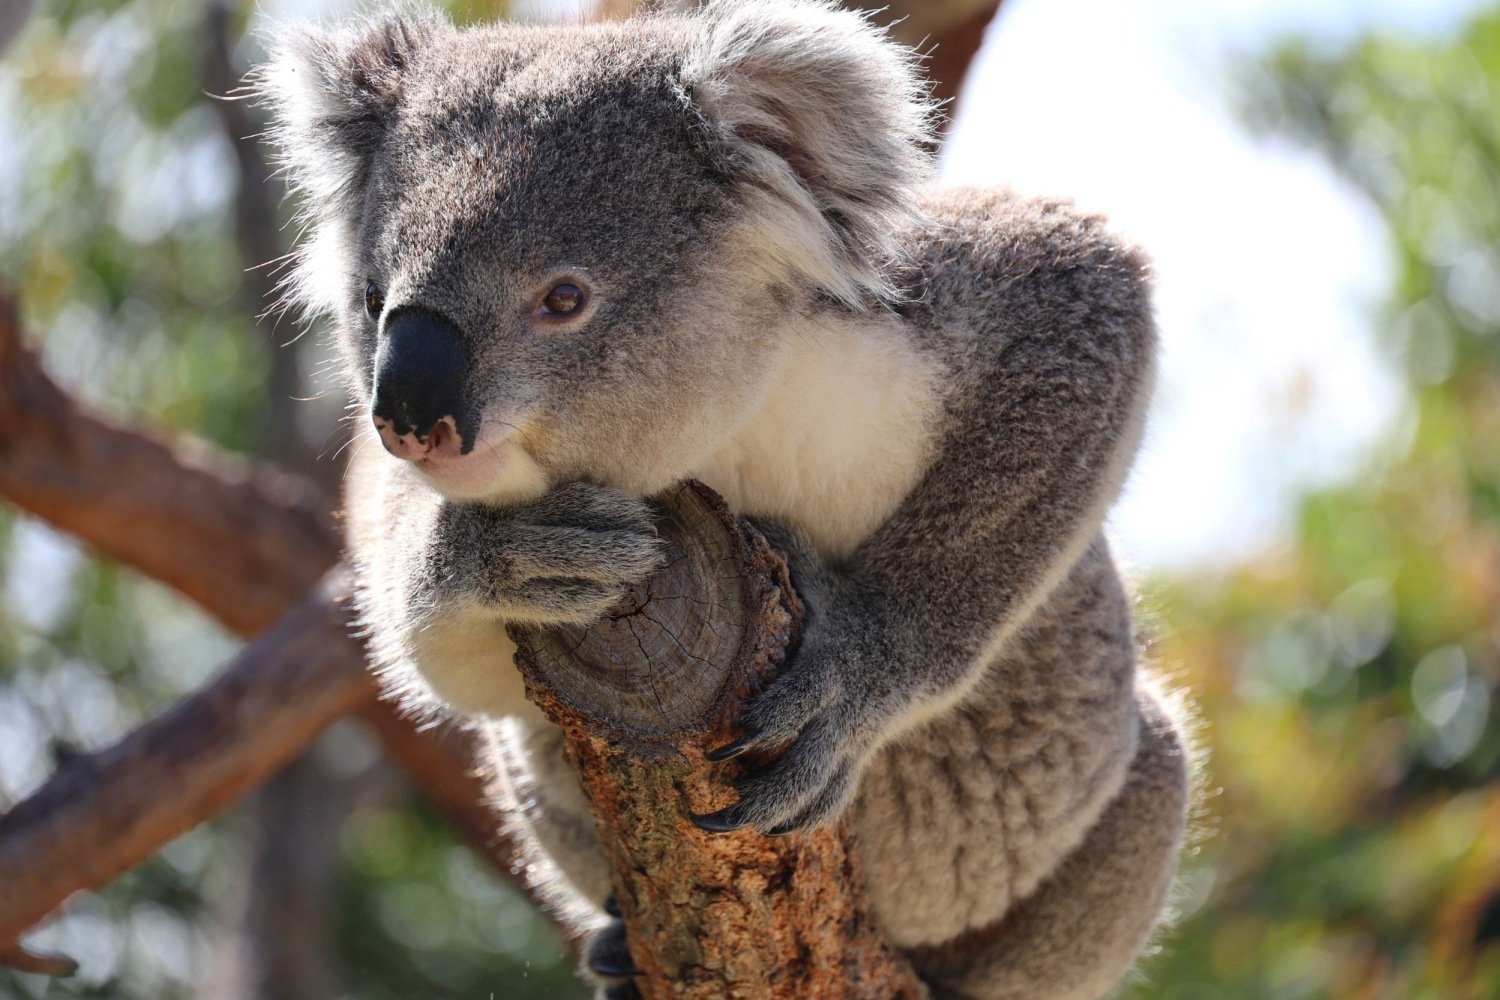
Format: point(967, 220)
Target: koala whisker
point(275, 263)
point(358, 435)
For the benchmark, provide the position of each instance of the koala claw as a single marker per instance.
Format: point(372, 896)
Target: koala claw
point(724, 821)
point(608, 955)
point(807, 785)
point(729, 751)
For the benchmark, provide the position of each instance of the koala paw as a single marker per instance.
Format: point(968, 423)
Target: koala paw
point(565, 557)
point(607, 956)
point(826, 741)
point(822, 710)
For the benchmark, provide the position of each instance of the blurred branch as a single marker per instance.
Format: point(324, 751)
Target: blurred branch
point(242, 541)
point(43, 963)
point(245, 543)
point(950, 31)
point(261, 245)
point(103, 813)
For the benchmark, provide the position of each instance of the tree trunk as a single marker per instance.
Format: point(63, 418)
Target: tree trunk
point(641, 697)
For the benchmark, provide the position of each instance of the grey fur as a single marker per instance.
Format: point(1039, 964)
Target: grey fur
point(742, 191)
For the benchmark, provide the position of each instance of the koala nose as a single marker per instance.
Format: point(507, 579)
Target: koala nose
point(419, 371)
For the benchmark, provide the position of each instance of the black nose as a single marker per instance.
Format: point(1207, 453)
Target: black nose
point(419, 375)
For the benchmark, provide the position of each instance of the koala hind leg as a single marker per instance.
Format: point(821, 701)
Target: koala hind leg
point(549, 816)
point(538, 792)
point(1080, 931)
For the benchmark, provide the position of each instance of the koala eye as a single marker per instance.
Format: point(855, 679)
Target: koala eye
point(374, 300)
point(563, 299)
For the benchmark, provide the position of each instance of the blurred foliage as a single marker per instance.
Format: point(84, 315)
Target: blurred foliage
point(1348, 682)
point(1350, 845)
point(117, 228)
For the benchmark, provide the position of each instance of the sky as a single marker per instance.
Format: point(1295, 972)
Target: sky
point(1268, 266)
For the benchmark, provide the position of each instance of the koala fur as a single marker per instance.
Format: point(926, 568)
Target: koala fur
point(928, 397)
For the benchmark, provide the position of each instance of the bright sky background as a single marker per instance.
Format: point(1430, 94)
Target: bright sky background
point(1268, 267)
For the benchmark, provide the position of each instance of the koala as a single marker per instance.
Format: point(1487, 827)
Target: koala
point(569, 267)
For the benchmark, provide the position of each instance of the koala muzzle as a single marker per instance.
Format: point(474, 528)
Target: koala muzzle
point(420, 410)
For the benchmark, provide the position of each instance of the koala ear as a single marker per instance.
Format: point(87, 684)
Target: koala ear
point(827, 121)
point(331, 90)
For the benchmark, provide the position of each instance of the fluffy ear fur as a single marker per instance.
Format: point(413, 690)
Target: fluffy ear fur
point(331, 90)
point(826, 120)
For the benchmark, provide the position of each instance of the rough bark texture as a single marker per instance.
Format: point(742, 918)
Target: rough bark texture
point(641, 697)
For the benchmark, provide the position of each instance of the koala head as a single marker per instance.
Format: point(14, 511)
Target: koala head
point(573, 252)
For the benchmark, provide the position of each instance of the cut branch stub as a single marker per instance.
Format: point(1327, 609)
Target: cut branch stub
point(666, 659)
point(641, 696)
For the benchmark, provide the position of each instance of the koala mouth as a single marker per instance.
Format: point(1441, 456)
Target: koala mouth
point(495, 469)
point(441, 453)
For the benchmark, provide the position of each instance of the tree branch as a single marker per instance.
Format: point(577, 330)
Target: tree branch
point(641, 696)
point(103, 813)
point(243, 541)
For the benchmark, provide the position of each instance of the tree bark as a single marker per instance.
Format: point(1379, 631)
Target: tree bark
point(641, 697)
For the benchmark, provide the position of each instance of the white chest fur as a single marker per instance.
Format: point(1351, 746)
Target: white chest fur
point(843, 434)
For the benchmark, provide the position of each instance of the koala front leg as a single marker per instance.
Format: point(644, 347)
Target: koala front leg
point(1043, 414)
point(438, 581)
point(563, 558)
